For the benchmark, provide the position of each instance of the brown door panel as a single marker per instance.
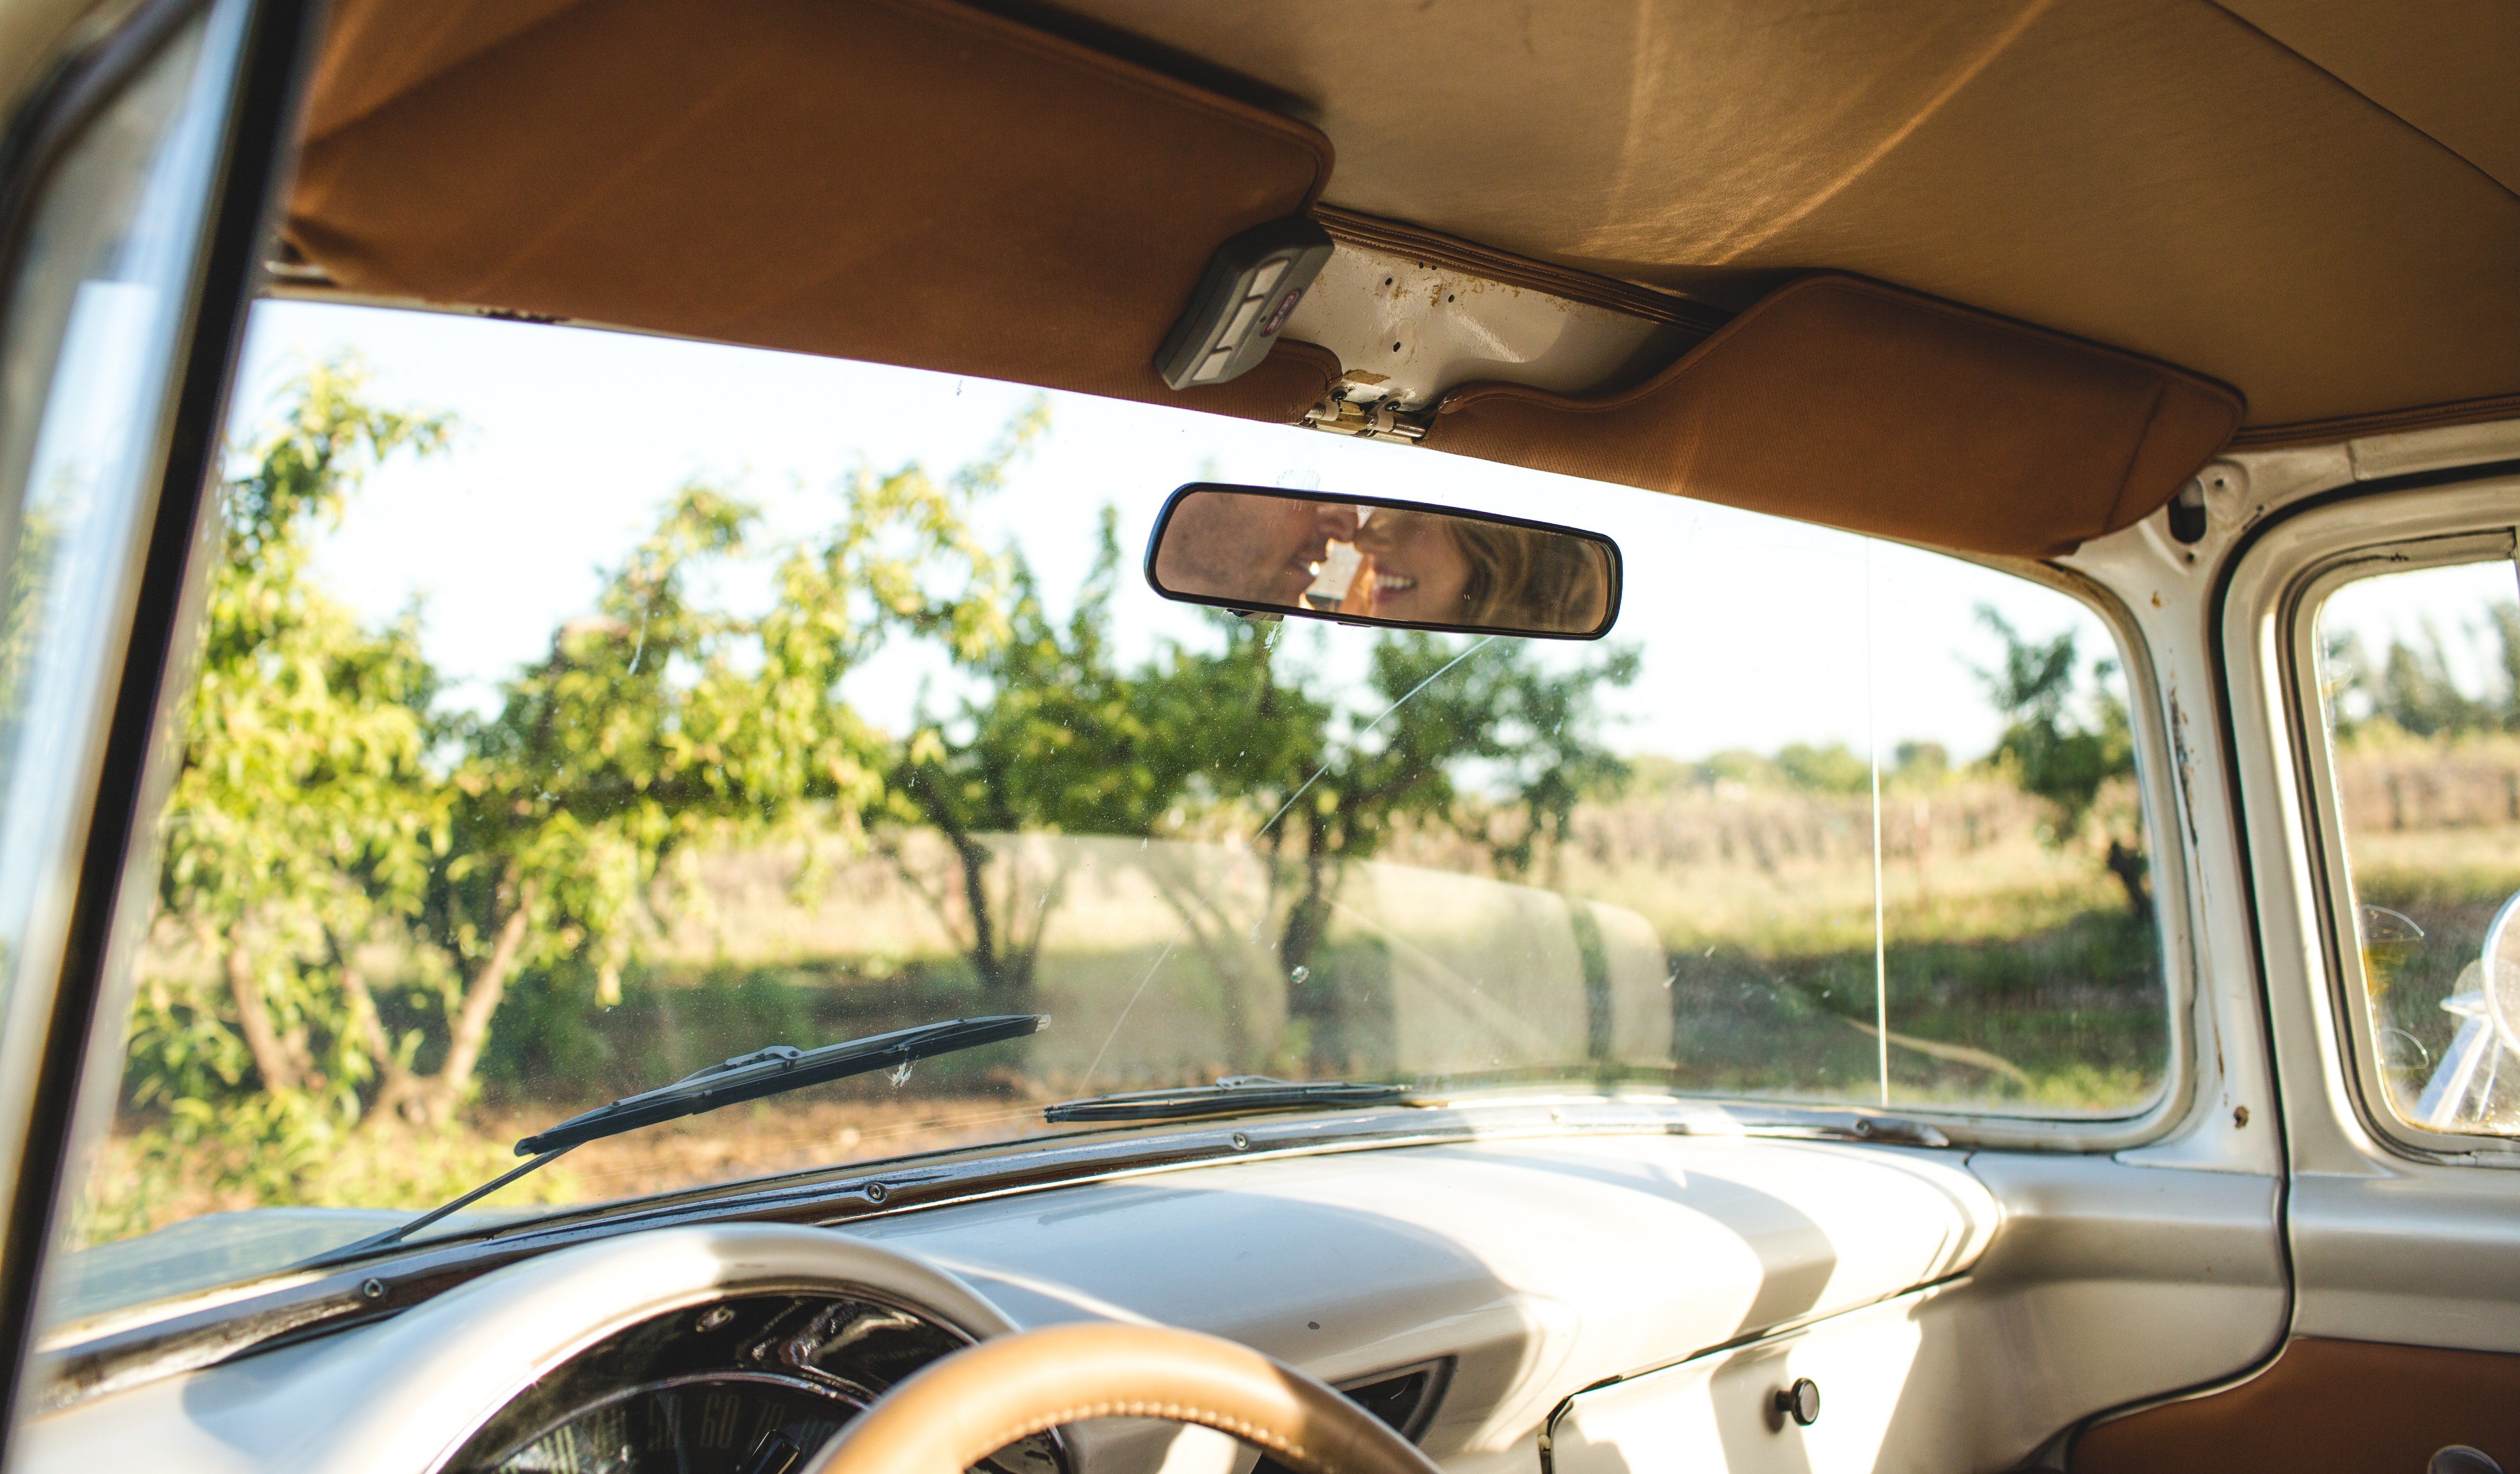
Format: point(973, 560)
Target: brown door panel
point(2344, 1406)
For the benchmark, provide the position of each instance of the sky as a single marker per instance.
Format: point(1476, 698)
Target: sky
point(2449, 604)
point(1755, 632)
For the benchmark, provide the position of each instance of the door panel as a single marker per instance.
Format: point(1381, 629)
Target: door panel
point(2404, 1249)
point(2354, 1405)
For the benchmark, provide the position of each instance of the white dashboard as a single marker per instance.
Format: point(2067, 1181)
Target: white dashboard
point(1517, 1273)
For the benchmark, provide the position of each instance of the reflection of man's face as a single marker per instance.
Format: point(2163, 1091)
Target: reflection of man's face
point(1233, 544)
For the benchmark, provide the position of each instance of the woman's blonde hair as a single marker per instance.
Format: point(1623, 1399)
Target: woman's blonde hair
point(1527, 579)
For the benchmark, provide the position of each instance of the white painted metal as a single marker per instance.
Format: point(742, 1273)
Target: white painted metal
point(2165, 594)
point(2391, 1240)
point(403, 1395)
point(1894, 1396)
point(2107, 1284)
point(1406, 333)
point(1542, 1266)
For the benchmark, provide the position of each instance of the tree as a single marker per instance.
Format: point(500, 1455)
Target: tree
point(303, 812)
point(1058, 740)
point(657, 723)
point(2058, 754)
point(325, 810)
point(1341, 784)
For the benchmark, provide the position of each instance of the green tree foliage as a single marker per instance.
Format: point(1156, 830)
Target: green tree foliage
point(2411, 686)
point(1054, 739)
point(363, 877)
point(1343, 782)
point(1833, 768)
point(328, 818)
point(2062, 740)
point(304, 811)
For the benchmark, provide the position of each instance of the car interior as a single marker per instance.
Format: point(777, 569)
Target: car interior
point(2197, 316)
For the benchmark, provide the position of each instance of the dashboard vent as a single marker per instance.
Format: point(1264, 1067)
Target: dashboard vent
point(1405, 1397)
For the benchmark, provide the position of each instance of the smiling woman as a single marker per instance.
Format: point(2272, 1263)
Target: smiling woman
point(1251, 549)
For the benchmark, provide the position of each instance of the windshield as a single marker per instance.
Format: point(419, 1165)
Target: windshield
point(579, 711)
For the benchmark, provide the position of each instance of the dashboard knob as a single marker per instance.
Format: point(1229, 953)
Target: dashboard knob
point(1800, 1402)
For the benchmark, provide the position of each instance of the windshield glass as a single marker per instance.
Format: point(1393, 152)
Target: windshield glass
point(576, 712)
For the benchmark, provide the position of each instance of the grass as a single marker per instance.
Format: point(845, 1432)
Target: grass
point(1723, 941)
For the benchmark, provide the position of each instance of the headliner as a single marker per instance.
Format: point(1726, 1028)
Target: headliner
point(2309, 199)
point(2059, 230)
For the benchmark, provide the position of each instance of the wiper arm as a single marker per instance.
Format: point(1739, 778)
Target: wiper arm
point(776, 1070)
point(1230, 1095)
point(773, 1071)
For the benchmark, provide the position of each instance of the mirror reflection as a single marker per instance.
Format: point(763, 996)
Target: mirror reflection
point(1256, 549)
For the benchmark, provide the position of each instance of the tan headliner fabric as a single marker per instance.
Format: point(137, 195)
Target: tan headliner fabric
point(1841, 401)
point(2155, 175)
point(2444, 65)
point(877, 180)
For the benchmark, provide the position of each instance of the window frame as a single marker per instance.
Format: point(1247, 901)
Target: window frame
point(2311, 736)
point(64, 1026)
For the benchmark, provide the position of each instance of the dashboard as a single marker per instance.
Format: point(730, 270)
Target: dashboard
point(1483, 1296)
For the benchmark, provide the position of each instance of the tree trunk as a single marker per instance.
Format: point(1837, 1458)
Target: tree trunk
point(454, 1080)
point(254, 1018)
point(397, 1088)
point(2129, 867)
point(1312, 999)
point(996, 985)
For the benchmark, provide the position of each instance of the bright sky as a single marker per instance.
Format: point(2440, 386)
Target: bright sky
point(1753, 629)
point(2449, 604)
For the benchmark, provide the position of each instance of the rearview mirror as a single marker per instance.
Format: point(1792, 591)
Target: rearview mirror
point(1363, 561)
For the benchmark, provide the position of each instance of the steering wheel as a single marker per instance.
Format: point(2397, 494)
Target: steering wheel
point(963, 1408)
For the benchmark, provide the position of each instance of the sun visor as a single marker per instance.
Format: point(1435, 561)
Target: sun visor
point(1844, 401)
point(904, 181)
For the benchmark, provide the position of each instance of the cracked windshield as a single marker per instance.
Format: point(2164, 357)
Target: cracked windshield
point(578, 711)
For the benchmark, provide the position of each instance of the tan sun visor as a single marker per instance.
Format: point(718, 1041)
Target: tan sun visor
point(1844, 401)
point(916, 182)
point(904, 182)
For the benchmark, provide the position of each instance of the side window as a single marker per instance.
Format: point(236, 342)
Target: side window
point(2420, 681)
point(1930, 886)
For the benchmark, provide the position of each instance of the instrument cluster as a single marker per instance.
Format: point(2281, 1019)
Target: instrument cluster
point(751, 1384)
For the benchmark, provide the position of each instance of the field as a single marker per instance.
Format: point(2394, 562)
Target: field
point(1713, 938)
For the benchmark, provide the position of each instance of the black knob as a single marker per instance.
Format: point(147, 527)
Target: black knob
point(1801, 1402)
point(2460, 1458)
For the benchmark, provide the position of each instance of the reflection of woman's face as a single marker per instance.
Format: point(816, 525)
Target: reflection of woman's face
point(1418, 569)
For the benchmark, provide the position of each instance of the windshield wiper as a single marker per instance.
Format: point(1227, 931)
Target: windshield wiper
point(1230, 1095)
point(773, 1071)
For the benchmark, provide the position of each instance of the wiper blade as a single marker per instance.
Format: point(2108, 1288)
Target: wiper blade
point(773, 1071)
point(1231, 1095)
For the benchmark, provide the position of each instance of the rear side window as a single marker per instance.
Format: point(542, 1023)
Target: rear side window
point(2420, 683)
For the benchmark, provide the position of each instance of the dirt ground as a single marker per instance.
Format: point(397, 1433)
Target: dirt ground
point(767, 1138)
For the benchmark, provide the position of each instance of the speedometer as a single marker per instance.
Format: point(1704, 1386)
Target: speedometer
point(748, 1385)
point(726, 1424)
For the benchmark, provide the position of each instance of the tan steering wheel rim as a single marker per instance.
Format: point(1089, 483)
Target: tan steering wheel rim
point(963, 1408)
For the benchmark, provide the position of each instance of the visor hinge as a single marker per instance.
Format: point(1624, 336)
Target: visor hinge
point(1373, 417)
